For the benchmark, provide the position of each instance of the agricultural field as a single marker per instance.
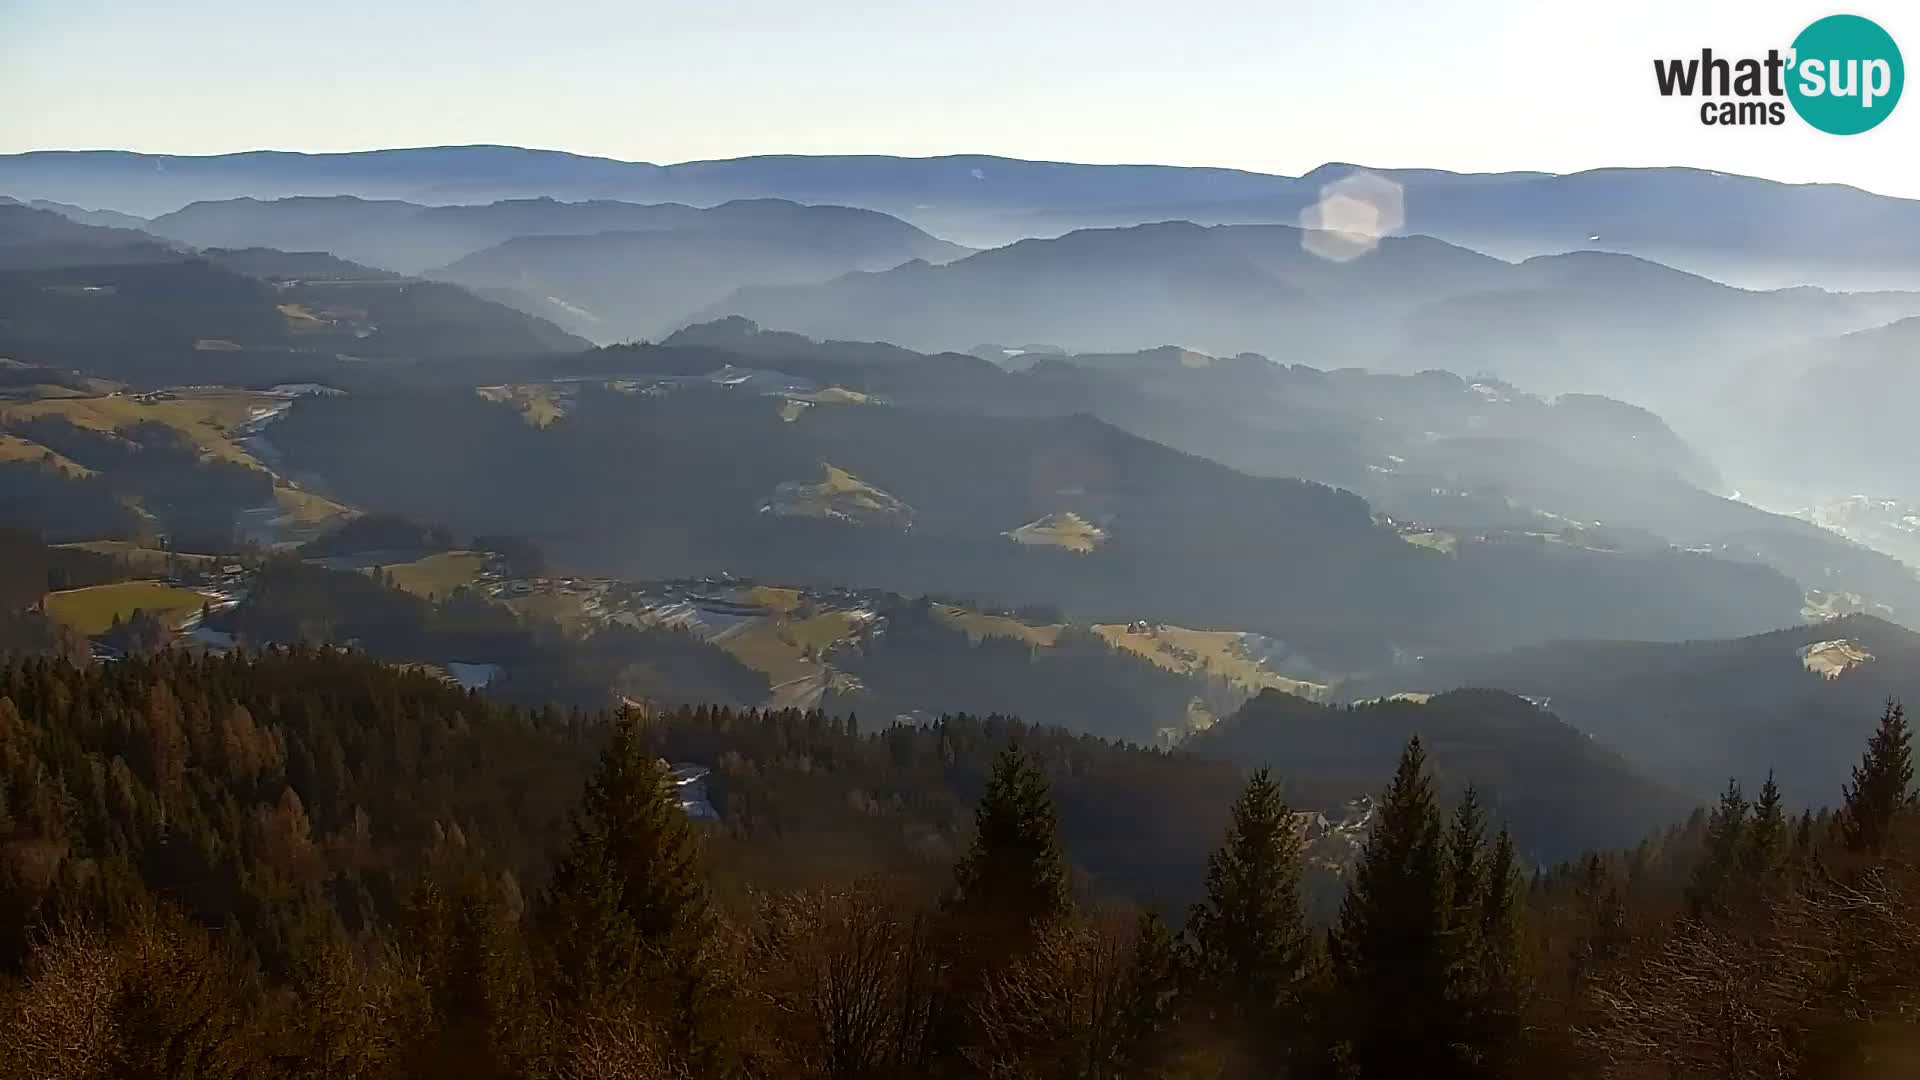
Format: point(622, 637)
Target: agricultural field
point(841, 496)
point(1063, 530)
point(1444, 542)
point(92, 610)
point(540, 404)
point(563, 608)
point(979, 625)
point(304, 511)
point(1832, 659)
point(789, 649)
point(143, 560)
point(209, 417)
point(1219, 653)
point(438, 575)
point(776, 600)
point(15, 448)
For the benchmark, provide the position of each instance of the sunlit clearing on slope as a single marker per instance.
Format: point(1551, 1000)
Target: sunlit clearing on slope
point(1351, 216)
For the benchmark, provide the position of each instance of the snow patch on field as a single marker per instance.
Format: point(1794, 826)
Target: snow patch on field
point(473, 676)
point(1832, 659)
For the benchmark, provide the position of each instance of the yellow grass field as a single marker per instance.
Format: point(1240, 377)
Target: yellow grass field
point(207, 417)
point(146, 560)
point(978, 625)
point(774, 599)
point(15, 448)
point(91, 610)
point(839, 493)
point(778, 647)
point(303, 509)
point(840, 395)
point(556, 607)
point(1064, 530)
point(1214, 652)
point(761, 647)
point(436, 576)
point(539, 403)
point(1439, 541)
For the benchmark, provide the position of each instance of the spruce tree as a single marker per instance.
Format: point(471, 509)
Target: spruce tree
point(1466, 849)
point(1013, 874)
point(1009, 892)
point(1495, 997)
point(1803, 838)
point(1882, 784)
point(479, 983)
point(1764, 845)
point(1151, 996)
point(1250, 943)
point(1715, 875)
point(1390, 953)
point(627, 894)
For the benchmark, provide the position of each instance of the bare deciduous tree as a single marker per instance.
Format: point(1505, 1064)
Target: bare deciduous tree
point(1062, 1011)
point(845, 984)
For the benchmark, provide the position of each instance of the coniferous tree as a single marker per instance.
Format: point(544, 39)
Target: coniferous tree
point(1149, 1008)
point(1466, 852)
point(1764, 845)
point(1716, 874)
point(1882, 784)
point(1013, 874)
point(1250, 943)
point(1495, 995)
point(627, 901)
point(478, 980)
point(1009, 896)
point(1391, 959)
point(1803, 835)
point(1603, 917)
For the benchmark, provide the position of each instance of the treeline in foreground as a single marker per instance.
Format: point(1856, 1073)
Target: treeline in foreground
point(307, 864)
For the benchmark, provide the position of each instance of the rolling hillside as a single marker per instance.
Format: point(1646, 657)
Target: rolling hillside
point(1588, 321)
point(1800, 700)
point(666, 475)
point(1558, 791)
point(122, 304)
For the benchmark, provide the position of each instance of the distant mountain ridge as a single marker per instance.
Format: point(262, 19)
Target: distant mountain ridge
point(1736, 228)
point(1582, 321)
point(413, 237)
point(607, 270)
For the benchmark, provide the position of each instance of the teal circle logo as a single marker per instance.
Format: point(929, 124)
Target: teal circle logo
point(1846, 75)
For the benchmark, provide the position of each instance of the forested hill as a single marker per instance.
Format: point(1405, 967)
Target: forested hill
point(272, 787)
point(1560, 790)
point(305, 864)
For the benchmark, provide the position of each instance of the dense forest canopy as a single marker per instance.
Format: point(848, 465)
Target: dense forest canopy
point(307, 860)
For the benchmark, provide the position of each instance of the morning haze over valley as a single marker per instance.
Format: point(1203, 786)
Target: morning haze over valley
point(480, 610)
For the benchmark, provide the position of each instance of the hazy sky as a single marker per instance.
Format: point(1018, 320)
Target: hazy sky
point(1260, 84)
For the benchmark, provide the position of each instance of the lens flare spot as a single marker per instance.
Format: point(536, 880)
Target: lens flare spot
point(1351, 216)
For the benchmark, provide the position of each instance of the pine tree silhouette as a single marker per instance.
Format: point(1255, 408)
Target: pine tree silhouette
point(1714, 877)
point(1013, 873)
point(1882, 784)
point(1250, 943)
point(627, 894)
point(1392, 960)
point(1764, 847)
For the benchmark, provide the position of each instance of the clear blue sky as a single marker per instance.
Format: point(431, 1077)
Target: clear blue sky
point(1260, 84)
